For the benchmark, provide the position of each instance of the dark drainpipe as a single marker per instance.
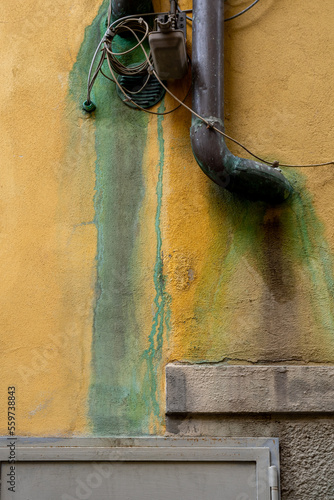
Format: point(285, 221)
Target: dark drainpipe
point(251, 179)
point(120, 8)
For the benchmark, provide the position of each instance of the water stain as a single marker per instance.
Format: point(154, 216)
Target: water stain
point(267, 288)
point(116, 396)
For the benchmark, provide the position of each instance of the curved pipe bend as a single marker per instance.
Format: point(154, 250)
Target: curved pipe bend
point(251, 179)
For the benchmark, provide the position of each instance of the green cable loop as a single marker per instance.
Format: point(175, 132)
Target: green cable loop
point(88, 106)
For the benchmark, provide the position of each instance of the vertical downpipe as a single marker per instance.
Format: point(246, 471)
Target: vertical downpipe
point(251, 179)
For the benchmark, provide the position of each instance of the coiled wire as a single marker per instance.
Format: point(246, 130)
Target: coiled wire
point(135, 26)
point(132, 25)
point(127, 24)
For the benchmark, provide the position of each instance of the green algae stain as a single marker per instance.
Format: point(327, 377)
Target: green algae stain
point(286, 250)
point(153, 354)
point(123, 388)
point(313, 252)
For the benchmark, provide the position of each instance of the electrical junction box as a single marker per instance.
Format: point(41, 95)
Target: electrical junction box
point(140, 469)
point(169, 53)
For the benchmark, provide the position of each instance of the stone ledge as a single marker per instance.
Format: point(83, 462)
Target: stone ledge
point(249, 389)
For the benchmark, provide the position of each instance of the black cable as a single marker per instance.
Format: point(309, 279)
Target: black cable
point(228, 18)
point(129, 99)
point(242, 12)
point(108, 54)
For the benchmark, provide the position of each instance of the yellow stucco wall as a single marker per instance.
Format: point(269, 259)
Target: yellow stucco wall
point(278, 93)
point(246, 283)
point(47, 248)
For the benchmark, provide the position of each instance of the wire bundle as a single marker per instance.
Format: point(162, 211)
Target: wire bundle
point(138, 26)
point(135, 26)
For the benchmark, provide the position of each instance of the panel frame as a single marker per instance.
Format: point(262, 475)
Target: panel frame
point(263, 451)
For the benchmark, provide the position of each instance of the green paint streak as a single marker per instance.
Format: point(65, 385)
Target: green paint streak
point(153, 354)
point(121, 392)
point(315, 254)
point(295, 237)
point(245, 229)
point(124, 388)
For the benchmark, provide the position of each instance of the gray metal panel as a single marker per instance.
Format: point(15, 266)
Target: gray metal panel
point(140, 468)
point(249, 389)
point(135, 481)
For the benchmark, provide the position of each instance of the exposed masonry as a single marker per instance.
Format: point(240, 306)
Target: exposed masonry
point(249, 389)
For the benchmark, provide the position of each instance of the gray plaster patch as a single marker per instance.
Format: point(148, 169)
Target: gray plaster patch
point(249, 389)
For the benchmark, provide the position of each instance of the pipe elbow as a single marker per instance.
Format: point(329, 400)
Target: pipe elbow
point(248, 178)
point(120, 8)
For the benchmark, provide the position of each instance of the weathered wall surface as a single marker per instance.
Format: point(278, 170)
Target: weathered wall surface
point(118, 255)
point(48, 235)
point(306, 447)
